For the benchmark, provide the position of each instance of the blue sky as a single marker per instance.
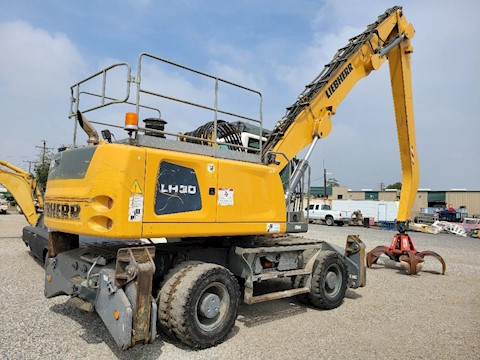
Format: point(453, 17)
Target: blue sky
point(275, 47)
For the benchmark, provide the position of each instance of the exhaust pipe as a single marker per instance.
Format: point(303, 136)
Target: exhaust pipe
point(88, 128)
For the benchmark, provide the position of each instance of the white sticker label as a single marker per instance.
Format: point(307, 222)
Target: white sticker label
point(273, 227)
point(225, 197)
point(135, 208)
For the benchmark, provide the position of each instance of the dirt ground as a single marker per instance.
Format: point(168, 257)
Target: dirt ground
point(396, 316)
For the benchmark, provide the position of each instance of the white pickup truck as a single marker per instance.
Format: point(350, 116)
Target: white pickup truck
point(325, 213)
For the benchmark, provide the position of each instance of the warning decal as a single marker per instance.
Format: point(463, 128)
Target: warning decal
point(135, 208)
point(225, 197)
point(135, 189)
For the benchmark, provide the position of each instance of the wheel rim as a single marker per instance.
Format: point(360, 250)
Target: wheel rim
point(333, 281)
point(212, 306)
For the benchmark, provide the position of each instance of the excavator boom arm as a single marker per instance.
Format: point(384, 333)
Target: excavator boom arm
point(399, 63)
point(309, 117)
point(24, 189)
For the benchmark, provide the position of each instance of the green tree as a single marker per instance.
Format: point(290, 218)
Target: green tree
point(397, 185)
point(42, 166)
point(41, 174)
point(332, 182)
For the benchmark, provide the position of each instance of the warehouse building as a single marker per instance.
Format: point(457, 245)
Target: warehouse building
point(456, 198)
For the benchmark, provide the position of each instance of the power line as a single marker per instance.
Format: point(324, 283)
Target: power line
point(29, 164)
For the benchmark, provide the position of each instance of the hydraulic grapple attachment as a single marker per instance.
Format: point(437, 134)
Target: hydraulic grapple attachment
point(403, 250)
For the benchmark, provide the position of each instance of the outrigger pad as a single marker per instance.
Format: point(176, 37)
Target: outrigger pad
point(111, 299)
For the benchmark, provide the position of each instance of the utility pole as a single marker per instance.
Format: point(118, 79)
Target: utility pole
point(324, 183)
point(382, 186)
point(29, 165)
point(44, 150)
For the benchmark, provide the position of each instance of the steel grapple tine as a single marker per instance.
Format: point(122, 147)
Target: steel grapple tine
point(375, 253)
point(435, 255)
point(412, 263)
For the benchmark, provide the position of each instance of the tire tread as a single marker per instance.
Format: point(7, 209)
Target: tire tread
point(175, 302)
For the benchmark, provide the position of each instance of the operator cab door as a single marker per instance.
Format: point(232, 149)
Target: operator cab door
point(180, 188)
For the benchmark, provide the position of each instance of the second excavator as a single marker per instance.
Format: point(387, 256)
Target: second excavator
point(24, 188)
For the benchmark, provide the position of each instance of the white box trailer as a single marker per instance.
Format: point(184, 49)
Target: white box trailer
point(379, 210)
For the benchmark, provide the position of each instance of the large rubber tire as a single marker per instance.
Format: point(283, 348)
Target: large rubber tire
point(198, 304)
point(329, 281)
point(329, 221)
point(163, 294)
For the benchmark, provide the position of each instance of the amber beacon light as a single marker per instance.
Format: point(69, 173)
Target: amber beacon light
point(131, 121)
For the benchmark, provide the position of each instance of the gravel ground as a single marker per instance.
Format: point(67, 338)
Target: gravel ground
point(396, 316)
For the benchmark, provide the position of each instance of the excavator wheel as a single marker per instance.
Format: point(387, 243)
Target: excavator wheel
point(198, 304)
point(164, 294)
point(329, 281)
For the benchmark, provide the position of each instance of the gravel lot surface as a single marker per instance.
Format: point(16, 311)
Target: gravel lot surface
point(396, 316)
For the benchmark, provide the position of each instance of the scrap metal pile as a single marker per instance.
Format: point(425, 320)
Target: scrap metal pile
point(438, 227)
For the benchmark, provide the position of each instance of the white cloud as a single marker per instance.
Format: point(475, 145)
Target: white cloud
point(36, 71)
point(309, 63)
point(35, 60)
point(233, 54)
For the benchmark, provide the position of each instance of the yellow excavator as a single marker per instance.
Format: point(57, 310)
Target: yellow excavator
point(23, 186)
point(223, 198)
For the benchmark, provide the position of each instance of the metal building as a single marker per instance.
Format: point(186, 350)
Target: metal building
point(456, 198)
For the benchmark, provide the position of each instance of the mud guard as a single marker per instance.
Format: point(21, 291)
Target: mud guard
point(354, 256)
point(355, 251)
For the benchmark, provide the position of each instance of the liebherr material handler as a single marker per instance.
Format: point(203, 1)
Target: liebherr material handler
point(225, 206)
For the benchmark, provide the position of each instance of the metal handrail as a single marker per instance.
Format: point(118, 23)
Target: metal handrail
point(214, 109)
point(77, 93)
